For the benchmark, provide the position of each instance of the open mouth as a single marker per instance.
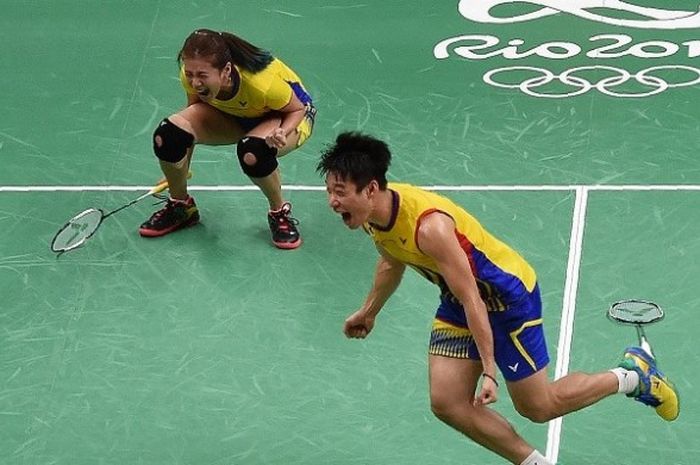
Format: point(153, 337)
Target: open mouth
point(346, 217)
point(203, 92)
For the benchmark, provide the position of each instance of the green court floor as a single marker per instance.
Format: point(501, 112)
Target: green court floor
point(211, 347)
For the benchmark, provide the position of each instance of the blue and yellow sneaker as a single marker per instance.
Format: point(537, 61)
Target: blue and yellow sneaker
point(654, 388)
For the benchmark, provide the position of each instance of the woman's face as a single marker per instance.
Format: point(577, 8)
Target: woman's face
point(205, 78)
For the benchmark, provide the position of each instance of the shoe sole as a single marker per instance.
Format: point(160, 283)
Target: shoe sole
point(672, 415)
point(153, 233)
point(288, 245)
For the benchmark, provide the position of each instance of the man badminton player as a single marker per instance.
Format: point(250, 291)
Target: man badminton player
point(490, 313)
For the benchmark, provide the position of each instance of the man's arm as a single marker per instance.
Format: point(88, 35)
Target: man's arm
point(436, 238)
point(387, 278)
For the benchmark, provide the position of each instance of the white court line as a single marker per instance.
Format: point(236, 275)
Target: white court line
point(483, 188)
point(566, 330)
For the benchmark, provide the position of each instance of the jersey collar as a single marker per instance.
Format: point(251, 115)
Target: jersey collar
point(395, 200)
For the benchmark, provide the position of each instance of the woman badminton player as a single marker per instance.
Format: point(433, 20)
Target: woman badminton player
point(240, 94)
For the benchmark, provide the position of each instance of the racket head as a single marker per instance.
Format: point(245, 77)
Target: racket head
point(77, 230)
point(635, 311)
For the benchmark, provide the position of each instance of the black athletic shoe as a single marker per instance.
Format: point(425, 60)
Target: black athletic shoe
point(173, 216)
point(283, 227)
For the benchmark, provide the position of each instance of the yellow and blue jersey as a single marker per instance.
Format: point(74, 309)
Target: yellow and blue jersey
point(258, 93)
point(503, 277)
point(507, 284)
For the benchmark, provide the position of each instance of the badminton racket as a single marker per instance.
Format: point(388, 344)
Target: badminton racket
point(638, 313)
point(84, 225)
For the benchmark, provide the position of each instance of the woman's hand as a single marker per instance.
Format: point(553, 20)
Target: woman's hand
point(277, 138)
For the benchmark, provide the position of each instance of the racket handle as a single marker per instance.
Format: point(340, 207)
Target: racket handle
point(644, 344)
point(160, 187)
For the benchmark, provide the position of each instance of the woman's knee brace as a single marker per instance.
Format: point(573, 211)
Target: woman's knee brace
point(264, 157)
point(170, 142)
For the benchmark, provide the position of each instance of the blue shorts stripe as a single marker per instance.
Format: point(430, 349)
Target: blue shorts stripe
point(520, 347)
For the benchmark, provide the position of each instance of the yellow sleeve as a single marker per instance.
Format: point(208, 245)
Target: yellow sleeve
point(278, 95)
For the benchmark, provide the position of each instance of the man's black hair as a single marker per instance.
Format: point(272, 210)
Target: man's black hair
point(356, 157)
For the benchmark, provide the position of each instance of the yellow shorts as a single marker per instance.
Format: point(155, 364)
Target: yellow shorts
point(306, 126)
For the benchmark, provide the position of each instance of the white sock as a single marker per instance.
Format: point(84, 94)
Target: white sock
point(536, 459)
point(180, 200)
point(627, 380)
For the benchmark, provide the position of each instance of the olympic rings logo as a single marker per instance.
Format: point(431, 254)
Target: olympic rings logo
point(582, 85)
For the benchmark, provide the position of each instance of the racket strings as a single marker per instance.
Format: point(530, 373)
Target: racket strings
point(82, 226)
point(636, 311)
point(77, 230)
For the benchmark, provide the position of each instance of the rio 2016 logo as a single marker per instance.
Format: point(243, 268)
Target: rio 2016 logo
point(606, 46)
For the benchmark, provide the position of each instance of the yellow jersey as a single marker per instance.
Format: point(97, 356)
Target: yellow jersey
point(502, 275)
point(258, 93)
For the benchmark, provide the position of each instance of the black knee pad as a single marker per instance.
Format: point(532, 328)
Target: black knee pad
point(170, 143)
point(265, 157)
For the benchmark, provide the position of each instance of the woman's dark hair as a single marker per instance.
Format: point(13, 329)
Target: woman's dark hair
point(221, 47)
point(356, 157)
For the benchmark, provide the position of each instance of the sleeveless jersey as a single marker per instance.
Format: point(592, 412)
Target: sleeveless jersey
point(503, 277)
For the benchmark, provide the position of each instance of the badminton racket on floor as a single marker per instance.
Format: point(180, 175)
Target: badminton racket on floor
point(638, 313)
point(83, 226)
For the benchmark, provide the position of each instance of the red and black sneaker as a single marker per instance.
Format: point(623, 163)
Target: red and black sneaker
point(176, 214)
point(283, 227)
